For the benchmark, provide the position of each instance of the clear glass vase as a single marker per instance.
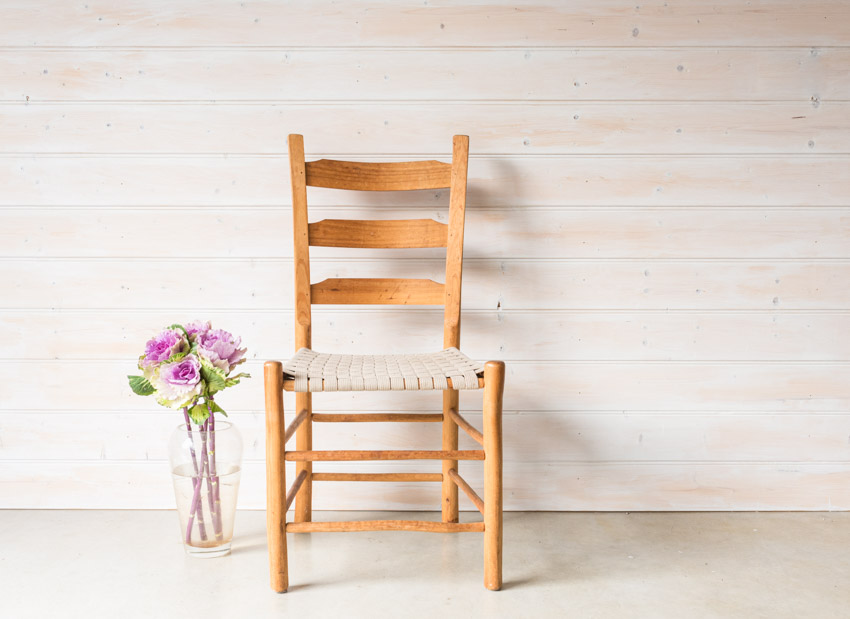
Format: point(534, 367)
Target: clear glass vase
point(206, 464)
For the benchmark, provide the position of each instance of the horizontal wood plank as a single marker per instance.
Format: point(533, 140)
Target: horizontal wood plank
point(592, 335)
point(488, 284)
point(662, 386)
point(372, 176)
point(524, 232)
point(383, 234)
point(553, 437)
point(493, 182)
point(240, 74)
point(377, 291)
point(389, 128)
point(582, 487)
point(311, 22)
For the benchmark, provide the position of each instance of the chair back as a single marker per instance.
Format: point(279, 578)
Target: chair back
point(411, 233)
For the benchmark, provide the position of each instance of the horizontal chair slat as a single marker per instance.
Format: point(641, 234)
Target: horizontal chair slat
point(351, 455)
point(384, 525)
point(395, 176)
point(377, 477)
point(376, 417)
point(377, 291)
point(378, 234)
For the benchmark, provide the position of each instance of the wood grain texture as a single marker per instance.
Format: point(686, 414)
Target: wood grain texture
point(584, 335)
point(547, 436)
point(239, 74)
point(384, 234)
point(385, 525)
point(538, 128)
point(489, 284)
point(657, 200)
point(655, 386)
point(377, 291)
point(527, 232)
point(493, 182)
point(311, 22)
point(370, 176)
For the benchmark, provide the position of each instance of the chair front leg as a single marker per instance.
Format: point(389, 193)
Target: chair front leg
point(494, 384)
point(276, 476)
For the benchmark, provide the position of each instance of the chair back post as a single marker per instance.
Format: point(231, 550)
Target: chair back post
point(301, 245)
point(454, 249)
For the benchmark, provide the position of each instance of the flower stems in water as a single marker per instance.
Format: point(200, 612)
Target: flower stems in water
point(216, 488)
point(196, 483)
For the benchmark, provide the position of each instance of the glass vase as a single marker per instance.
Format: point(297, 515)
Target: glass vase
point(206, 464)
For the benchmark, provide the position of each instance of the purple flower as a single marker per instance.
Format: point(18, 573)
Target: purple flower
point(163, 347)
point(220, 348)
point(196, 327)
point(178, 383)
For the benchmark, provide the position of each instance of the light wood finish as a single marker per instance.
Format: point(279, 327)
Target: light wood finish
point(377, 477)
point(550, 128)
point(304, 442)
point(713, 73)
point(363, 176)
point(345, 455)
point(385, 525)
point(468, 428)
point(629, 181)
point(384, 234)
point(301, 243)
point(275, 476)
point(289, 384)
point(494, 378)
point(460, 482)
point(376, 417)
point(449, 504)
point(292, 427)
point(377, 291)
point(600, 335)
point(545, 23)
point(296, 486)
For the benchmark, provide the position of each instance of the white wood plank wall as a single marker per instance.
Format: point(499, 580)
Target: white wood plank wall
point(657, 235)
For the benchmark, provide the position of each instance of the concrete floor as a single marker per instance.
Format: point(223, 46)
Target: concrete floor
point(126, 564)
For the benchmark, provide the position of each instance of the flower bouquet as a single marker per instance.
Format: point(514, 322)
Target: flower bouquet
point(184, 367)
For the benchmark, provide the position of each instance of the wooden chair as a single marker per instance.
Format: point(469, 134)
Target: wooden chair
point(448, 370)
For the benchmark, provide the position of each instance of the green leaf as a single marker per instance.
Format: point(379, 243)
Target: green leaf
point(217, 409)
point(199, 413)
point(213, 377)
point(234, 380)
point(141, 385)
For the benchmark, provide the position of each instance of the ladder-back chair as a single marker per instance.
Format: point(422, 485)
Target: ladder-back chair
point(448, 370)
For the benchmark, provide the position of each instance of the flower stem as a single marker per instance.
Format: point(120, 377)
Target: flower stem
point(205, 458)
point(196, 483)
point(216, 486)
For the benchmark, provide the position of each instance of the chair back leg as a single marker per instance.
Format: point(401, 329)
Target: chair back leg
point(304, 442)
point(450, 504)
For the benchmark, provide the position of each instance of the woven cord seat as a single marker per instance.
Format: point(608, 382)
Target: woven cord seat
point(314, 371)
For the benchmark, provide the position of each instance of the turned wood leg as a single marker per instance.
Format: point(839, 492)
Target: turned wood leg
point(276, 476)
point(304, 442)
point(494, 383)
point(450, 505)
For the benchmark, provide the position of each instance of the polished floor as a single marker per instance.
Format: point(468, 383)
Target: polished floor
point(126, 564)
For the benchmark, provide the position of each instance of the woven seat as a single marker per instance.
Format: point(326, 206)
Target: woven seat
point(314, 371)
